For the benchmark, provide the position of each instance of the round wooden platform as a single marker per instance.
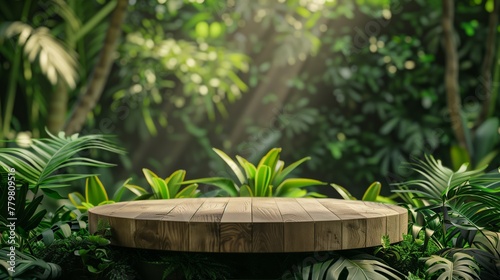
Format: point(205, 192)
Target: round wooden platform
point(243, 224)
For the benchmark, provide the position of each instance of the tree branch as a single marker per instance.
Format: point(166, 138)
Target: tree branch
point(486, 69)
point(451, 75)
point(101, 72)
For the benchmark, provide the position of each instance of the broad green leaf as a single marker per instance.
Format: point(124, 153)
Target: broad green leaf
point(372, 192)
point(87, 205)
point(161, 188)
point(293, 183)
point(76, 198)
point(343, 192)
point(385, 199)
point(224, 183)
point(232, 165)
point(106, 202)
point(174, 181)
point(245, 191)
point(249, 168)
point(262, 180)
point(138, 191)
point(282, 175)
point(485, 139)
point(293, 193)
point(95, 192)
point(66, 229)
point(187, 192)
point(270, 159)
point(149, 176)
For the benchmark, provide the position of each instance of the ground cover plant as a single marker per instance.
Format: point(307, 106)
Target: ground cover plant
point(454, 227)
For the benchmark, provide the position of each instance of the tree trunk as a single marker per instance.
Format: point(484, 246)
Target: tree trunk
point(100, 75)
point(451, 76)
point(58, 107)
point(486, 70)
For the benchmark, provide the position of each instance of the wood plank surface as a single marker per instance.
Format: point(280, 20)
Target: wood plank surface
point(354, 225)
point(327, 225)
point(236, 226)
point(150, 232)
point(240, 224)
point(298, 229)
point(403, 220)
point(204, 225)
point(267, 234)
point(175, 224)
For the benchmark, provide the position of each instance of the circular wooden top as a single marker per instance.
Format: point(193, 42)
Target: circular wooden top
point(244, 224)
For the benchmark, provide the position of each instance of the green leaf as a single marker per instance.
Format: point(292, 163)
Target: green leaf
point(187, 192)
point(459, 156)
point(262, 180)
point(161, 188)
point(149, 176)
point(372, 192)
point(224, 183)
point(245, 191)
point(39, 164)
point(76, 198)
point(95, 192)
point(294, 183)
point(249, 168)
point(343, 192)
point(174, 181)
point(282, 175)
point(138, 191)
point(270, 159)
point(232, 165)
point(486, 138)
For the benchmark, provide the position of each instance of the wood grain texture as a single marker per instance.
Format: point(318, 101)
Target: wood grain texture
point(327, 225)
point(354, 225)
point(176, 224)
point(242, 224)
point(236, 226)
point(267, 235)
point(298, 228)
point(204, 225)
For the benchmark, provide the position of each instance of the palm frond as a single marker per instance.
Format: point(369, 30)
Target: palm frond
point(56, 61)
point(462, 266)
point(467, 201)
point(362, 266)
point(40, 164)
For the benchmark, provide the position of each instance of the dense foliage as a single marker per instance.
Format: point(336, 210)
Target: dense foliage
point(350, 90)
point(358, 85)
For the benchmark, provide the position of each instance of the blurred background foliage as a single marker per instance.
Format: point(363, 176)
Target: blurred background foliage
point(356, 85)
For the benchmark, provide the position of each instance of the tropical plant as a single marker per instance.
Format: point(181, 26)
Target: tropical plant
point(170, 187)
point(96, 194)
point(372, 193)
point(462, 266)
point(41, 165)
point(89, 257)
point(458, 203)
point(360, 266)
point(268, 178)
point(27, 218)
point(26, 267)
point(404, 256)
